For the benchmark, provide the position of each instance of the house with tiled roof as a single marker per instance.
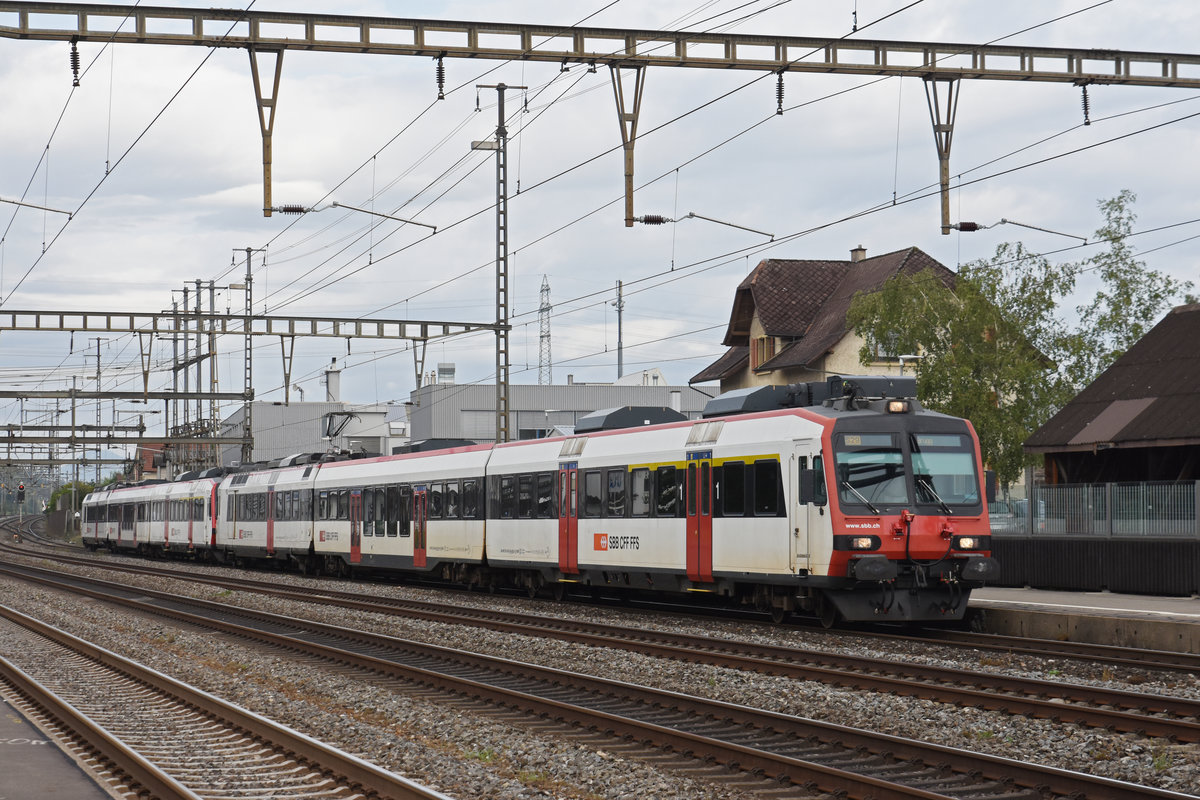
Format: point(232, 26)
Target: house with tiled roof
point(788, 321)
point(1139, 420)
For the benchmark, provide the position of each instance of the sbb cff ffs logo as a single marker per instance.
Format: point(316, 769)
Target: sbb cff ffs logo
point(604, 542)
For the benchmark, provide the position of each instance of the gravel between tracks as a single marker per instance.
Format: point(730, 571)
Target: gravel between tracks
point(473, 756)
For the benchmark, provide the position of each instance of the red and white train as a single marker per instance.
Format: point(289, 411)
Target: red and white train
point(841, 498)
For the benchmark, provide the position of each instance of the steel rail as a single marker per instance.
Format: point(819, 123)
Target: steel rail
point(1035, 697)
point(356, 771)
point(991, 768)
point(91, 736)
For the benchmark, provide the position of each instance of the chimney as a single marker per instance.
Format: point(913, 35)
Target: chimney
point(858, 253)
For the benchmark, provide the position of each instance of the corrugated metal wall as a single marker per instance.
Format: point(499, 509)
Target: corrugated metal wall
point(1133, 566)
point(454, 411)
point(281, 430)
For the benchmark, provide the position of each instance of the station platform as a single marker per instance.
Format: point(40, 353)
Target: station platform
point(33, 767)
point(1124, 620)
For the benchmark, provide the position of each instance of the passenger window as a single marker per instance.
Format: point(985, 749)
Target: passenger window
point(404, 512)
point(640, 491)
point(380, 511)
point(508, 497)
point(766, 488)
point(545, 495)
point(435, 501)
point(616, 493)
point(450, 500)
point(591, 494)
point(732, 492)
point(393, 497)
point(525, 496)
point(368, 500)
point(470, 499)
point(667, 504)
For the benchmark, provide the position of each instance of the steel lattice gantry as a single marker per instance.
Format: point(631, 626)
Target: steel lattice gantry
point(149, 325)
point(165, 323)
point(624, 51)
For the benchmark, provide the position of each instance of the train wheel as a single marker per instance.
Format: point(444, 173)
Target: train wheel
point(559, 592)
point(779, 614)
point(827, 612)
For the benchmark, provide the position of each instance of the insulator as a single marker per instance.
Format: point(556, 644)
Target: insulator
point(441, 79)
point(967, 227)
point(779, 93)
point(653, 219)
point(74, 62)
point(291, 209)
point(1087, 108)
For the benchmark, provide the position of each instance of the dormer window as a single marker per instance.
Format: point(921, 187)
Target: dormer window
point(762, 350)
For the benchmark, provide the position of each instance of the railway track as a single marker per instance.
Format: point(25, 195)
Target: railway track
point(1135, 712)
point(1132, 658)
point(800, 752)
point(175, 742)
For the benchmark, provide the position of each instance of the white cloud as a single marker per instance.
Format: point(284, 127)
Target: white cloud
point(186, 201)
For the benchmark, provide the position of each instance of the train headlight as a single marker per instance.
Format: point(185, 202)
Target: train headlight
point(898, 407)
point(970, 543)
point(844, 541)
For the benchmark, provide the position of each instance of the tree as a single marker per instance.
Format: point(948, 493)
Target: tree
point(995, 347)
point(1130, 300)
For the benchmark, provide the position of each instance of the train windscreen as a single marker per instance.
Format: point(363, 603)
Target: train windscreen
point(944, 469)
point(870, 469)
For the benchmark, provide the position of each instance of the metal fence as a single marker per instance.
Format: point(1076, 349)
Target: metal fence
point(1135, 510)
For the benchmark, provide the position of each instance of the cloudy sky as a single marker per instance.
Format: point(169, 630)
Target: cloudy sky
point(159, 153)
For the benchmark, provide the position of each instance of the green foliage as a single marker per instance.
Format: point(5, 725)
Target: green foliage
point(996, 349)
point(81, 491)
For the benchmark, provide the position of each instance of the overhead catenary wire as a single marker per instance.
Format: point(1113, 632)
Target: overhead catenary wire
point(711, 101)
point(526, 124)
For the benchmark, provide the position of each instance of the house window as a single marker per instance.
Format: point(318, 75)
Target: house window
point(888, 349)
point(762, 350)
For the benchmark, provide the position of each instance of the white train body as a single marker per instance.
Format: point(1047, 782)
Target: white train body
point(855, 509)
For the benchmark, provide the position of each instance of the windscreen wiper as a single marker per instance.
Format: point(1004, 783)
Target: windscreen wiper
point(928, 486)
point(858, 494)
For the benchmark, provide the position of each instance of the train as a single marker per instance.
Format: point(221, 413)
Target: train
point(843, 498)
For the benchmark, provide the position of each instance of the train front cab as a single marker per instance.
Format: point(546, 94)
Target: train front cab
point(908, 534)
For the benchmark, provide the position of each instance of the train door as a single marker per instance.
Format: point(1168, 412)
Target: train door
point(420, 518)
point(356, 516)
point(699, 516)
point(166, 520)
point(191, 503)
point(809, 514)
point(270, 522)
point(568, 518)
